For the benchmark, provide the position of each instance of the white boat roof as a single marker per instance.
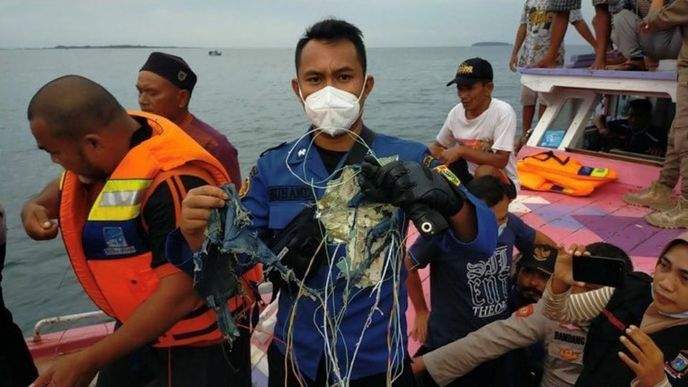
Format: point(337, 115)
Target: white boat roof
point(650, 83)
point(572, 93)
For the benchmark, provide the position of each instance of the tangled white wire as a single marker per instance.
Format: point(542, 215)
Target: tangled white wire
point(339, 370)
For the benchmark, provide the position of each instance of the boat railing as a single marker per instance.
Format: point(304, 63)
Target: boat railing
point(61, 320)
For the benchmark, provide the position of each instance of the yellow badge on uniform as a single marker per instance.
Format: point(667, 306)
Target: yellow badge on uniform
point(525, 311)
point(247, 182)
point(569, 354)
point(448, 174)
point(244, 187)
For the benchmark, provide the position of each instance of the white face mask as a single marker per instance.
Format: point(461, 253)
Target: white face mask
point(332, 110)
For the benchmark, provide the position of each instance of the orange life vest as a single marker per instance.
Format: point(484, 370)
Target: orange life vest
point(106, 243)
point(548, 172)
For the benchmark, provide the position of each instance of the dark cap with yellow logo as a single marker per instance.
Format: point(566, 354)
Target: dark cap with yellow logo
point(471, 71)
point(172, 68)
point(542, 258)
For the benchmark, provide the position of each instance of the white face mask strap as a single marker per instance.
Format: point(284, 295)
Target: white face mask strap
point(365, 80)
point(298, 83)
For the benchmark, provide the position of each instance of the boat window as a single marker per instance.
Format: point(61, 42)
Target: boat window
point(556, 131)
point(629, 125)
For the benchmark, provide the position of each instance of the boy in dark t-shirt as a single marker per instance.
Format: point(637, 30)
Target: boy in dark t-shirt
point(470, 291)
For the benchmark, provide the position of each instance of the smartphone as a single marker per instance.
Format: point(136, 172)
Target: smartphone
point(599, 270)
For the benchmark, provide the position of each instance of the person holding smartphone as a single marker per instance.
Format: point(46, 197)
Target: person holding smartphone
point(637, 331)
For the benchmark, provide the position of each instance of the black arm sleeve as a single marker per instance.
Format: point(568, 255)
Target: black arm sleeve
point(159, 214)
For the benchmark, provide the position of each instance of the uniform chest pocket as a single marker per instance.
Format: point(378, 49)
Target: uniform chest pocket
point(281, 213)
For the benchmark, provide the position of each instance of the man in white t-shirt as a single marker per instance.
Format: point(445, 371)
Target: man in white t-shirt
point(480, 130)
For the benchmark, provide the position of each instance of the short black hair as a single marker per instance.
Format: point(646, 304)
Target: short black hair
point(604, 249)
point(333, 30)
point(481, 81)
point(488, 188)
point(73, 106)
point(642, 108)
point(640, 105)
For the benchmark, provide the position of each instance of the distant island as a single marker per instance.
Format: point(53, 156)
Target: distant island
point(115, 46)
point(483, 44)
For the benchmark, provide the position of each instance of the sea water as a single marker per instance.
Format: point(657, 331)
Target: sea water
point(245, 94)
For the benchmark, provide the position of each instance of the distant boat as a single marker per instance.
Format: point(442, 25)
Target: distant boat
point(490, 44)
point(215, 53)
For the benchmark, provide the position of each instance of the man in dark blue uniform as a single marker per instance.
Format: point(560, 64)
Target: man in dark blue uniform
point(345, 323)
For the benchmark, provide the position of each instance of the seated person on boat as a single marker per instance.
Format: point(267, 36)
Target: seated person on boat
point(479, 131)
point(470, 290)
point(637, 331)
point(543, 352)
point(635, 133)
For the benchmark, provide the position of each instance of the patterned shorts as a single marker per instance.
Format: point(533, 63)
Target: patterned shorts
point(564, 5)
point(607, 2)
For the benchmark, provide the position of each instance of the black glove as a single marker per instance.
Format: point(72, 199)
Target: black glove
point(424, 195)
point(404, 183)
point(299, 243)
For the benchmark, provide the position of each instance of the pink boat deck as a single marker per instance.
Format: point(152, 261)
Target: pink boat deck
point(602, 216)
point(66, 341)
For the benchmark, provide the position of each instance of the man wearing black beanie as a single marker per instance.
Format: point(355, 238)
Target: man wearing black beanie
point(165, 84)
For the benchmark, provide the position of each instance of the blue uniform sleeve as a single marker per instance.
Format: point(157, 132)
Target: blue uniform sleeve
point(524, 234)
point(255, 197)
point(448, 243)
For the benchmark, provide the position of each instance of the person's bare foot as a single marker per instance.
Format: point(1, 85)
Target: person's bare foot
point(598, 65)
point(614, 58)
point(629, 65)
point(651, 64)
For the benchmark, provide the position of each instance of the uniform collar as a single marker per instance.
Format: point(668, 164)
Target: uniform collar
point(304, 151)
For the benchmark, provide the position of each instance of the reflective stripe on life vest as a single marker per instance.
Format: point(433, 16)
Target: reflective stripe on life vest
point(108, 248)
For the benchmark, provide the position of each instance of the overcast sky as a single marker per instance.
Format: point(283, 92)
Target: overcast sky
point(255, 23)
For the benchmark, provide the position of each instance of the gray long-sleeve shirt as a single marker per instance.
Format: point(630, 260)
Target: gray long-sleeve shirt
point(674, 14)
point(564, 345)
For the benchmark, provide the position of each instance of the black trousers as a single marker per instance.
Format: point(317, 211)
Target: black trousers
point(277, 371)
point(212, 366)
point(16, 365)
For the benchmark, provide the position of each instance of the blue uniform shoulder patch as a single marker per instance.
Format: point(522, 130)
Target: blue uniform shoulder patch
point(272, 148)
